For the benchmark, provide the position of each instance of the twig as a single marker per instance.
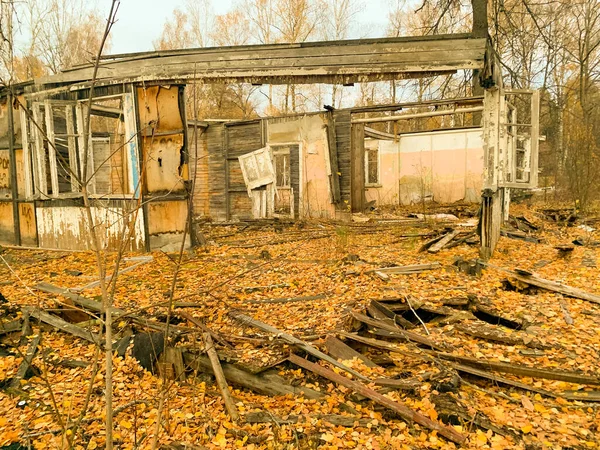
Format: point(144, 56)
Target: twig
point(416, 315)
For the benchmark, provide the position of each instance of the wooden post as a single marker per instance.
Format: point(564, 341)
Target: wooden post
point(220, 377)
point(12, 160)
point(357, 167)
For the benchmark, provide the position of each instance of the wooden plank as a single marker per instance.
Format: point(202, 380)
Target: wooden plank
point(502, 380)
point(89, 304)
point(217, 370)
point(376, 343)
point(10, 327)
point(333, 159)
point(62, 325)
point(482, 330)
point(357, 168)
point(269, 385)
point(397, 331)
point(415, 268)
point(403, 411)
point(295, 341)
point(339, 350)
point(556, 287)
point(524, 371)
point(272, 62)
point(28, 358)
point(436, 247)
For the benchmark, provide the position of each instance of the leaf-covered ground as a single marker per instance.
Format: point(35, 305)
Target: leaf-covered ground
point(246, 268)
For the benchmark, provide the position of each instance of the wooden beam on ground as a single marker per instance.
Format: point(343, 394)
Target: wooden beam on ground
point(435, 248)
point(495, 334)
point(10, 327)
point(402, 410)
point(295, 341)
point(524, 371)
point(65, 326)
point(84, 302)
point(406, 270)
point(339, 350)
point(398, 332)
point(28, 358)
point(556, 287)
point(382, 345)
point(220, 377)
point(268, 385)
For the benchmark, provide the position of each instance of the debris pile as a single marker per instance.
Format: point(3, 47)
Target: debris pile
point(363, 335)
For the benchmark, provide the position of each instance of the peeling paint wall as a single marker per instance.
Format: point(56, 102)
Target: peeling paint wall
point(310, 133)
point(443, 166)
point(7, 225)
point(161, 126)
point(166, 223)
point(66, 227)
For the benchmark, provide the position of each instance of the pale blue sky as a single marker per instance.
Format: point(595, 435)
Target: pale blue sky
point(141, 21)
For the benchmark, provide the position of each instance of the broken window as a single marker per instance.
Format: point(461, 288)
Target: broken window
point(371, 162)
point(55, 152)
point(108, 161)
point(57, 147)
point(281, 162)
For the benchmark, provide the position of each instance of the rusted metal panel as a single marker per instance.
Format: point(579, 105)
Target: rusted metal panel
point(27, 224)
point(7, 224)
point(64, 225)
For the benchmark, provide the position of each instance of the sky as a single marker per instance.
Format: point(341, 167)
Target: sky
point(140, 22)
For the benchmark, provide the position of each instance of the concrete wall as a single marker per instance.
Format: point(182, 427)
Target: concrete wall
point(443, 166)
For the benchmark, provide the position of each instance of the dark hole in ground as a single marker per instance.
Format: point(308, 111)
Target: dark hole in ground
point(495, 320)
point(424, 315)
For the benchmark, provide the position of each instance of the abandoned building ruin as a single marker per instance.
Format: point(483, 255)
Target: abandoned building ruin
point(145, 157)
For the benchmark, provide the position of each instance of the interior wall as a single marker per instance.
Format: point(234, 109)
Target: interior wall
point(441, 166)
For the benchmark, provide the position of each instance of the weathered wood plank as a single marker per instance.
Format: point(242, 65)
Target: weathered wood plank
point(436, 247)
point(400, 409)
point(220, 376)
point(28, 358)
point(62, 325)
point(339, 350)
point(295, 341)
point(271, 385)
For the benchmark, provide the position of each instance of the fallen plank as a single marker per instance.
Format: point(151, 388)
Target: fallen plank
point(339, 350)
point(10, 327)
point(31, 351)
point(398, 332)
point(430, 242)
point(439, 245)
point(382, 312)
point(295, 341)
point(411, 384)
point(87, 303)
point(490, 333)
point(140, 260)
point(271, 385)
point(557, 287)
point(415, 268)
point(220, 377)
point(501, 380)
point(377, 343)
point(524, 371)
point(333, 419)
point(63, 325)
point(403, 411)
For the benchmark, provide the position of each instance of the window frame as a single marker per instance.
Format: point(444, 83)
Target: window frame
point(378, 150)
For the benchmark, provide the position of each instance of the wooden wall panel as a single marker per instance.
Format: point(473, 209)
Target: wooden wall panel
point(199, 174)
point(244, 138)
point(163, 164)
point(27, 225)
point(167, 217)
point(7, 225)
point(357, 168)
point(241, 206)
point(159, 109)
point(216, 171)
point(342, 134)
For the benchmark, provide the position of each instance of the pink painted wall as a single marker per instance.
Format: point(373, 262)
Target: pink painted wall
point(443, 166)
